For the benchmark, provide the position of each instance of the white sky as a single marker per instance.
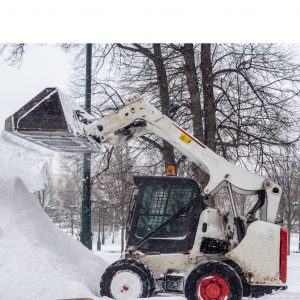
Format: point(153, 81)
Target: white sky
point(156, 20)
point(42, 66)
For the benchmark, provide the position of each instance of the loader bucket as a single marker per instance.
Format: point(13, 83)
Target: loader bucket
point(51, 120)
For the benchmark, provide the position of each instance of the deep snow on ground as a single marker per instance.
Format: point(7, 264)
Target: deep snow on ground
point(39, 261)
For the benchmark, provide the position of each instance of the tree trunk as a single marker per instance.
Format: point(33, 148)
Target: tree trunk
point(196, 109)
point(72, 224)
point(193, 88)
point(122, 239)
point(113, 228)
point(208, 95)
point(161, 73)
point(209, 101)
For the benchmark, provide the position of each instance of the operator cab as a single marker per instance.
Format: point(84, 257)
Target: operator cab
point(164, 214)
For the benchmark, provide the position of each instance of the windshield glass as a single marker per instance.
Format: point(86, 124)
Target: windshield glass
point(159, 202)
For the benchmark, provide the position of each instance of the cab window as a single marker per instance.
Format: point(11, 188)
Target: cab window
point(159, 202)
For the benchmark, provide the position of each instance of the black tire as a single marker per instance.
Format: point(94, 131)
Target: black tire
point(236, 267)
point(133, 267)
point(207, 276)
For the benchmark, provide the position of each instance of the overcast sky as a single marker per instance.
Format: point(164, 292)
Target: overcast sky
point(42, 66)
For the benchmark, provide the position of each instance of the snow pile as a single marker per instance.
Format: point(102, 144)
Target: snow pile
point(21, 159)
point(37, 259)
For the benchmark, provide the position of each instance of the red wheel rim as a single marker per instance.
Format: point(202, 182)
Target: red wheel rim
point(212, 288)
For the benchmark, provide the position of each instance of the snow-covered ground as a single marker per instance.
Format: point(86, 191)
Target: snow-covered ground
point(39, 261)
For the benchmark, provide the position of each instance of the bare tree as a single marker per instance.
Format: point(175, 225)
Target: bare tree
point(44, 194)
point(113, 188)
point(12, 53)
point(285, 169)
point(155, 55)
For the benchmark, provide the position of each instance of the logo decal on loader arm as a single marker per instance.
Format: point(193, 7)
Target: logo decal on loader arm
point(185, 138)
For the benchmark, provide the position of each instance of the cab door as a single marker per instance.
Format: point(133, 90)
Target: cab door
point(158, 199)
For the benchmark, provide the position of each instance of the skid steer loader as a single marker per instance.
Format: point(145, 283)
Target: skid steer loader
point(175, 242)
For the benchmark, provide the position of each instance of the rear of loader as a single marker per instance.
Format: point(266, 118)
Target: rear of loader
point(175, 243)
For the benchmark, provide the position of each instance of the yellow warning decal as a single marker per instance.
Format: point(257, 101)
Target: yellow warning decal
point(185, 138)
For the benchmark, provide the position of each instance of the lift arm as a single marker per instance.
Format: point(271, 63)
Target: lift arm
point(138, 118)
